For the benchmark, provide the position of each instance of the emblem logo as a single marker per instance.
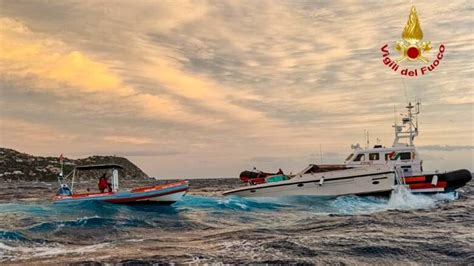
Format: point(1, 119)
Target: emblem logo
point(412, 49)
point(394, 156)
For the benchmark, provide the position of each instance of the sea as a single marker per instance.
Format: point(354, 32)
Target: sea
point(208, 228)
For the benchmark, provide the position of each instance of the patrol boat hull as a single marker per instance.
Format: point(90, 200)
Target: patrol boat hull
point(358, 181)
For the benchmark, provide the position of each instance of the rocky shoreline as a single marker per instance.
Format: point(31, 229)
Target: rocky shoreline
point(17, 166)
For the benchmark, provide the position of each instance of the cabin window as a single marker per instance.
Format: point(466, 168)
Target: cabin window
point(406, 169)
point(349, 157)
point(374, 156)
point(360, 157)
point(405, 155)
point(387, 156)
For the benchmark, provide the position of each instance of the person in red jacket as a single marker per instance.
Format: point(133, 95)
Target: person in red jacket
point(103, 184)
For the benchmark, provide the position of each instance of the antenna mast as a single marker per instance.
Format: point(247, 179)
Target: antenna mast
point(321, 153)
point(409, 127)
point(365, 139)
point(368, 140)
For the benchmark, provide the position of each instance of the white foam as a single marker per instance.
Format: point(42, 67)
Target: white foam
point(403, 199)
point(233, 201)
point(22, 252)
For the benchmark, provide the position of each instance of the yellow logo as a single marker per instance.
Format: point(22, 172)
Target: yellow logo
point(412, 48)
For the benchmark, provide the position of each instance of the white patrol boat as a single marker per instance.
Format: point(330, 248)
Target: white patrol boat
point(404, 158)
point(366, 171)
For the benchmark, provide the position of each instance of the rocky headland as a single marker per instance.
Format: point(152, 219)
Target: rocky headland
point(18, 166)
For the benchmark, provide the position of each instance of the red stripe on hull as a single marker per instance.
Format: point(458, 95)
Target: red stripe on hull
point(440, 184)
point(412, 179)
point(148, 188)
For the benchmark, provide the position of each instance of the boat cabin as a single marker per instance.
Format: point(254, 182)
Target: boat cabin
point(68, 189)
point(403, 157)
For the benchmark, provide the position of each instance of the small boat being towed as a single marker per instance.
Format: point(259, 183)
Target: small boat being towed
point(160, 194)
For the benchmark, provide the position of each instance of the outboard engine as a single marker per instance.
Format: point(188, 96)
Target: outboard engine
point(64, 190)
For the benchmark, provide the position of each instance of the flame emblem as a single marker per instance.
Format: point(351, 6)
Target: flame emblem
point(412, 47)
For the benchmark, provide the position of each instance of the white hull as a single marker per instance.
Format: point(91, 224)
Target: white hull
point(368, 180)
point(170, 198)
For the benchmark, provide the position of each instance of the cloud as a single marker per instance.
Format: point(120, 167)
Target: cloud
point(14, 132)
point(204, 91)
point(140, 153)
point(51, 61)
point(129, 139)
point(225, 83)
point(445, 147)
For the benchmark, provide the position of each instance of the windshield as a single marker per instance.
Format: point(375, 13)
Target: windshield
point(349, 157)
point(360, 157)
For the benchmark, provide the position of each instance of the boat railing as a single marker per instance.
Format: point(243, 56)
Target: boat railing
point(63, 179)
point(399, 175)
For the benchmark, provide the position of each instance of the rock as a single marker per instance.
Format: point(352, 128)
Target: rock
point(24, 167)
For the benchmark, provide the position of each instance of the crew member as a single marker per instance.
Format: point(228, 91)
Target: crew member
point(103, 184)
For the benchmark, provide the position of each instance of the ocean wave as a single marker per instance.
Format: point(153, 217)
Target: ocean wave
point(233, 203)
point(209, 228)
point(12, 236)
point(344, 205)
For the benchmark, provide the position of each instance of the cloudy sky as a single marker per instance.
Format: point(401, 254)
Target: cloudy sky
point(209, 88)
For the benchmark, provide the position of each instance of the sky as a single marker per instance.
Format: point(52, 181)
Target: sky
point(210, 88)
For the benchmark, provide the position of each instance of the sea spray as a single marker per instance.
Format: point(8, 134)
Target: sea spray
point(402, 198)
point(240, 230)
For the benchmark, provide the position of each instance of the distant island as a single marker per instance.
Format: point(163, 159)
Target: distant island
point(17, 166)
